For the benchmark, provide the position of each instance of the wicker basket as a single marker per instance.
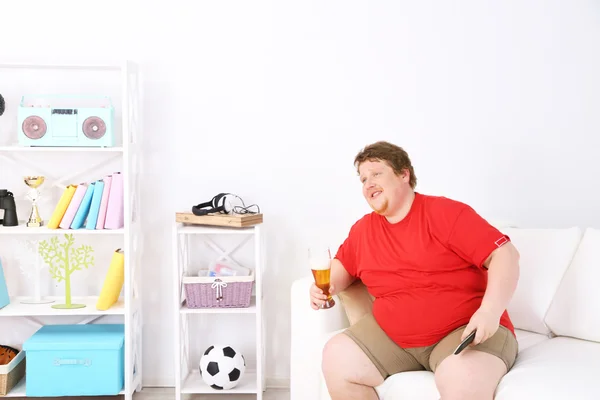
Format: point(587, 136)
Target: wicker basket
point(218, 292)
point(12, 373)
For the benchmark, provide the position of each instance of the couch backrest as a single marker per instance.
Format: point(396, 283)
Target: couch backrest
point(545, 257)
point(575, 309)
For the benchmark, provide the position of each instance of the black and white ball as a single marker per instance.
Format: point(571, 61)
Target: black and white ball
point(222, 367)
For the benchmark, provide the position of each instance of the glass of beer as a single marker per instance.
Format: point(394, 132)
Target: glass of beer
point(320, 265)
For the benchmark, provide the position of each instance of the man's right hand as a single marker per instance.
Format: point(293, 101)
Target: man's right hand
point(317, 298)
point(340, 279)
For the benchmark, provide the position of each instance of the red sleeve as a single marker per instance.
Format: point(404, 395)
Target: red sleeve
point(473, 238)
point(346, 253)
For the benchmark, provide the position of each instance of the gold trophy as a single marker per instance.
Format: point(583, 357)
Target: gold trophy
point(34, 182)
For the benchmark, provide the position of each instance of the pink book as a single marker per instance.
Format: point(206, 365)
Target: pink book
point(114, 211)
point(104, 202)
point(67, 219)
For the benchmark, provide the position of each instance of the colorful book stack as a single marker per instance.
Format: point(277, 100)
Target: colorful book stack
point(95, 205)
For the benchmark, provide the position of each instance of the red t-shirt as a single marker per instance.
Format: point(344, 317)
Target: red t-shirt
point(426, 272)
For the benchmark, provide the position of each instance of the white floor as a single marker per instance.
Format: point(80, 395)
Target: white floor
point(167, 394)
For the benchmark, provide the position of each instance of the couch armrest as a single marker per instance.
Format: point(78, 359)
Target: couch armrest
point(309, 329)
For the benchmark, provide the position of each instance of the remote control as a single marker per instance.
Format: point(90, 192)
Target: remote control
point(463, 345)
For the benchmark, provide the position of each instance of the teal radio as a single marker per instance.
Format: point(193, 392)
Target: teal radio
point(66, 121)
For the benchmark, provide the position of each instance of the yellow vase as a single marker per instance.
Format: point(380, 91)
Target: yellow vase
point(113, 283)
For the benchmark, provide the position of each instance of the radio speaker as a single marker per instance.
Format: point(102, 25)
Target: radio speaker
point(75, 121)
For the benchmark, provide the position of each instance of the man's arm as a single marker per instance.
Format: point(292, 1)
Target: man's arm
point(503, 275)
point(340, 278)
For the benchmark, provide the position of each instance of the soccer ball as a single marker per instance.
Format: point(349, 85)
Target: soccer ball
point(221, 367)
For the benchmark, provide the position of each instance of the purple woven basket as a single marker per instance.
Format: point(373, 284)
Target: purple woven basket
point(224, 292)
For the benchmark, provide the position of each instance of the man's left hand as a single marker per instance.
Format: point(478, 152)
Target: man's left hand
point(486, 322)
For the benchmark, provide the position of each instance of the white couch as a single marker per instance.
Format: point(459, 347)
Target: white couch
point(555, 310)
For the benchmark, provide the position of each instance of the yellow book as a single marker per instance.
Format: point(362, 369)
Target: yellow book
point(113, 283)
point(61, 207)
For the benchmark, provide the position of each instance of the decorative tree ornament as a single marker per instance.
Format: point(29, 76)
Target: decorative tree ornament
point(63, 259)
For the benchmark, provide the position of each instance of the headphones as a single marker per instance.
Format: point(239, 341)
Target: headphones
point(222, 203)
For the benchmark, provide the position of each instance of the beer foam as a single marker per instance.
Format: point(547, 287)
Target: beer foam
point(319, 265)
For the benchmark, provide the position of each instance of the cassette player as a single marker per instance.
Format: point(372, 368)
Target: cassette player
point(66, 121)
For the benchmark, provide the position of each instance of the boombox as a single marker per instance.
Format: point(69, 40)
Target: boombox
point(63, 120)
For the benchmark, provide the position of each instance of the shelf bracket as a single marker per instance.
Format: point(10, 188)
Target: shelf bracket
point(34, 320)
point(226, 254)
point(89, 320)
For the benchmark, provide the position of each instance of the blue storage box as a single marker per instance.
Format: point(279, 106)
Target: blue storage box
point(4, 299)
point(75, 360)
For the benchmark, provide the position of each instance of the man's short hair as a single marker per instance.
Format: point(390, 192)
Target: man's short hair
point(395, 156)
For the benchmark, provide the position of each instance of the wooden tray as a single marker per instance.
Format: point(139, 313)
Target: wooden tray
point(228, 220)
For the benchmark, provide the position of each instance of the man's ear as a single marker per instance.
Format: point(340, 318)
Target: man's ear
point(405, 174)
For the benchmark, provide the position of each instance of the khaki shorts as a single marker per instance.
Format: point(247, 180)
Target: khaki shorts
point(389, 358)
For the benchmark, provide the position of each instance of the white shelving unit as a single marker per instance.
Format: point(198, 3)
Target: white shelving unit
point(129, 305)
point(187, 376)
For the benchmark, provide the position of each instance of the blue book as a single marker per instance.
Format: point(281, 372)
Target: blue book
point(95, 206)
point(4, 299)
point(84, 208)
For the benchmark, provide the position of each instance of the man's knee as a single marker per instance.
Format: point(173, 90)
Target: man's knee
point(349, 373)
point(333, 352)
point(455, 385)
point(344, 360)
point(458, 390)
point(471, 376)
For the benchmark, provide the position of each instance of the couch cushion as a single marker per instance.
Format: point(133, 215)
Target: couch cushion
point(527, 339)
point(545, 256)
point(559, 368)
point(421, 385)
point(575, 310)
point(417, 385)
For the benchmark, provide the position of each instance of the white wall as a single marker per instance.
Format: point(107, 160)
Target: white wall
point(497, 103)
